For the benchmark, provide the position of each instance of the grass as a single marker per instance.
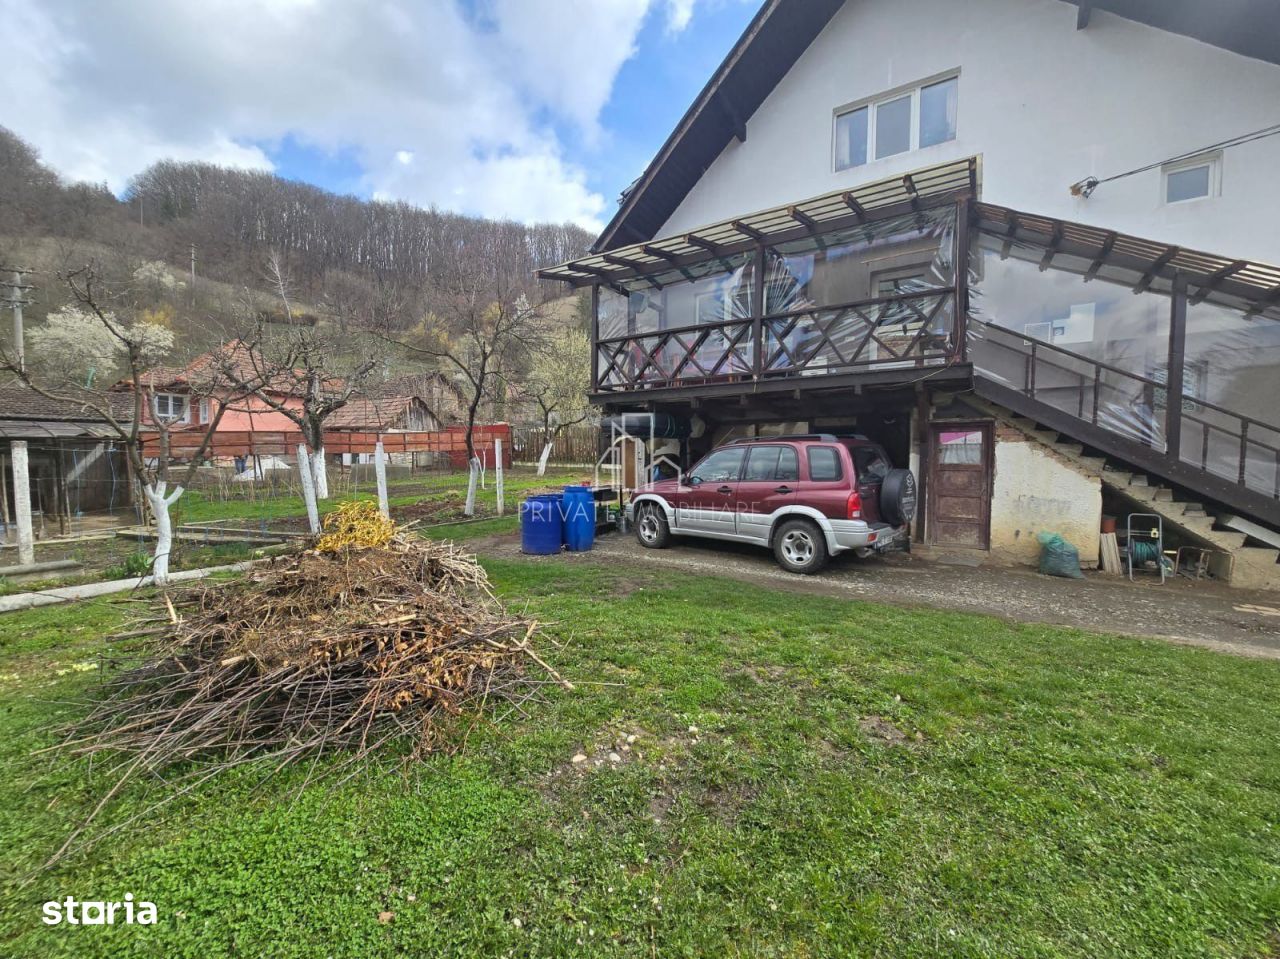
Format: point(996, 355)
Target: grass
point(809, 777)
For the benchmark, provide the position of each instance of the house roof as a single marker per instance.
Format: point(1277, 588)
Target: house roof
point(373, 414)
point(26, 414)
point(783, 29)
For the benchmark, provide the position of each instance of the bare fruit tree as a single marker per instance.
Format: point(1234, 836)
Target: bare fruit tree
point(557, 384)
point(305, 372)
point(483, 329)
point(90, 342)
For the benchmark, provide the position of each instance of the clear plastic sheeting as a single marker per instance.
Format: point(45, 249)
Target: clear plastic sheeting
point(905, 254)
point(877, 294)
point(1231, 396)
point(1093, 349)
point(711, 292)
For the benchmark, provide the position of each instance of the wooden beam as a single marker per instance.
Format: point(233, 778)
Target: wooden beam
point(1216, 277)
point(694, 240)
point(1083, 9)
point(1100, 260)
point(809, 223)
point(660, 253)
point(1055, 241)
point(750, 231)
point(857, 208)
point(1158, 264)
point(909, 185)
point(1010, 233)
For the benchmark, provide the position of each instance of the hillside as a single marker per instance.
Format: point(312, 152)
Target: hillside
point(344, 257)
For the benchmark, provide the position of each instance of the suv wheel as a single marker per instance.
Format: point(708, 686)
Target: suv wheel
point(651, 526)
point(800, 547)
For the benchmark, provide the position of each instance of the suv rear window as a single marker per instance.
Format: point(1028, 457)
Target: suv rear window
point(871, 466)
point(767, 464)
point(824, 464)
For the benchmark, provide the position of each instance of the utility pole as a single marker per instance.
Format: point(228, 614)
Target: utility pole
point(17, 293)
point(193, 274)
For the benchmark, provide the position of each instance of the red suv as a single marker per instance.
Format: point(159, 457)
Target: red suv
point(807, 497)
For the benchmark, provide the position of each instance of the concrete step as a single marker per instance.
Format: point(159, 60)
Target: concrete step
point(1256, 567)
point(1073, 450)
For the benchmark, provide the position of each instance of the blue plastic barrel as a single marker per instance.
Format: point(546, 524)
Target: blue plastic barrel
point(541, 524)
point(579, 518)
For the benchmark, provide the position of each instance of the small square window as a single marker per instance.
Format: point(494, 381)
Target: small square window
point(893, 127)
point(851, 138)
point(1191, 181)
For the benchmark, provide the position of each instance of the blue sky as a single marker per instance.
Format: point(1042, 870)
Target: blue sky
point(529, 109)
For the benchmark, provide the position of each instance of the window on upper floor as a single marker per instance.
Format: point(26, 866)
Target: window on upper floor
point(896, 122)
point(1193, 179)
point(172, 408)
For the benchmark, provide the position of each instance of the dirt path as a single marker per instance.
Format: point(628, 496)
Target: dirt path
point(1207, 614)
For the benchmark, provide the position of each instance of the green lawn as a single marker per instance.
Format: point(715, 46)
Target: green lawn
point(198, 506)
point(809, 777)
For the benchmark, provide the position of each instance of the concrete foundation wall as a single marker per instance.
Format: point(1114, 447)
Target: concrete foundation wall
point(1035, 491)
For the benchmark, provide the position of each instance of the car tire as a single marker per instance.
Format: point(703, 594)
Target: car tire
point(898, 497)
point(800, 547)
point(652, 529)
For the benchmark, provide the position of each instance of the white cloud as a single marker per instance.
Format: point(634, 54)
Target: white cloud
point(437, 106)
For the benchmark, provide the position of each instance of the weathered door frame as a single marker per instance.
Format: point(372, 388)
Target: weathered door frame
point(931, 487)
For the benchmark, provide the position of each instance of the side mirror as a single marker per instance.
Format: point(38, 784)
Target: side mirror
point(694, 481)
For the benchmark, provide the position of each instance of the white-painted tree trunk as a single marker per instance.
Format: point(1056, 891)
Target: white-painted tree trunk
point(320, 473)
point(22, 502)
point(497, 473)
point(472, 476)
point(546, 455)
point(308, 490)
point(159, 503)
point(380, 473)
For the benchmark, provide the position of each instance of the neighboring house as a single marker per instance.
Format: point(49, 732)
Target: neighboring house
point(899, 217)
point(442, 397)
point(390, 414)
point(183, 399)
point(74, 466)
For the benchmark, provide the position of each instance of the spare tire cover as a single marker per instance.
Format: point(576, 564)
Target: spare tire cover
point(898, 497)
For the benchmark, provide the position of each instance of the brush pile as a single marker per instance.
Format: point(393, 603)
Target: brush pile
point(347, 647)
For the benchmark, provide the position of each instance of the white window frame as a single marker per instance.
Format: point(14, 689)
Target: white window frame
point(1212, 160)
point(206, 410)
point(873, 103)
point(169, 417)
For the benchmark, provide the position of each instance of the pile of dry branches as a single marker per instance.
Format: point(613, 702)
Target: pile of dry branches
point(344, 650)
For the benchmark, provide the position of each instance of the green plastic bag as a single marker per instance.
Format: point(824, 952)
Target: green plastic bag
point(1058, 557)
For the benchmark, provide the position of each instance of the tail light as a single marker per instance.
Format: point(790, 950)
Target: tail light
point(855, 506)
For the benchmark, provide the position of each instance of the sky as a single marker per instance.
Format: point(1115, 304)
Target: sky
point(534, 110)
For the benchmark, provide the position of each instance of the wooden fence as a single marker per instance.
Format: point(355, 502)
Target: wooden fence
point(573, 445)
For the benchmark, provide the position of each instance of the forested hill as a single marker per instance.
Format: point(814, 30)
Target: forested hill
point(235, 218)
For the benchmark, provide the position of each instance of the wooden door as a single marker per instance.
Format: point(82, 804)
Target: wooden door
point(960, 485)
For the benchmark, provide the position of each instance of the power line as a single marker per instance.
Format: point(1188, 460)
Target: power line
point(1086, 186)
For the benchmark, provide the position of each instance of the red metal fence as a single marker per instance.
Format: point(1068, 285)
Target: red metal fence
point(231, 443)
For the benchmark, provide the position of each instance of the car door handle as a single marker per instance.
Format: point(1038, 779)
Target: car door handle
point(725, 489)
point(782, 489)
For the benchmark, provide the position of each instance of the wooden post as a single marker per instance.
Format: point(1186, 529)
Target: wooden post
point(22, 502)
point(1174, 372)
point(380, 473)
point(757, 314)
point(308, 490)
point(4, 496)
point(497, 472)
point(960, 266)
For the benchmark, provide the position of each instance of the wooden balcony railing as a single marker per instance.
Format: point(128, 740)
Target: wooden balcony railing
point(891, 332)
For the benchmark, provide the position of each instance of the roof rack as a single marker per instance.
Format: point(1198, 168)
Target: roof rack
point(821, 437)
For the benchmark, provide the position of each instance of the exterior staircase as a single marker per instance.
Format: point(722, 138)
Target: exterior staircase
point(1239, 560)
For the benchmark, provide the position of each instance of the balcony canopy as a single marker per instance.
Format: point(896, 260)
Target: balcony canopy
point(927, 187)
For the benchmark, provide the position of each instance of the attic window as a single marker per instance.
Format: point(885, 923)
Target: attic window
point(899, 121)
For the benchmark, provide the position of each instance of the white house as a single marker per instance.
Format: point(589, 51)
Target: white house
point(995, 235)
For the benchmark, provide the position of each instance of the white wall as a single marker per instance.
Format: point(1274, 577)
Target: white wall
point(1044, 105)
